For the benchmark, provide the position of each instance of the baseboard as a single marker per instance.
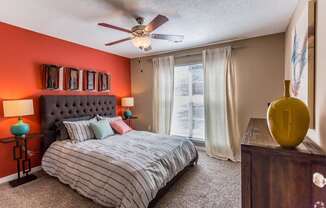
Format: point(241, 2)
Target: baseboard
point(14, 176)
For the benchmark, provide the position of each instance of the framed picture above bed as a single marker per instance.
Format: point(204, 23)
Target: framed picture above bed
point(72, 79)
point(52, 77)
point(104, 82)
point(89, 80)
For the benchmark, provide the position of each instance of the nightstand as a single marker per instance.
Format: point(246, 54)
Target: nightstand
point(21, 155)
point(129, 120)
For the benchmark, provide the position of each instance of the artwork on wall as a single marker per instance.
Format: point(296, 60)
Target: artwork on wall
point(303, 58)
point(51, 77)
point(89, 80)
point(71, 79)
point(104, 82)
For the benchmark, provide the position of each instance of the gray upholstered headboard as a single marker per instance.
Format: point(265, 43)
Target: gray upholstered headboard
point(54, 108)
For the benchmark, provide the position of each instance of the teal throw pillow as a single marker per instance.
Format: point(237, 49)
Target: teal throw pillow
point(101, 129)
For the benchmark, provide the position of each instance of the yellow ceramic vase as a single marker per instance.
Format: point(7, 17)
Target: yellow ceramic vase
point(288, 119)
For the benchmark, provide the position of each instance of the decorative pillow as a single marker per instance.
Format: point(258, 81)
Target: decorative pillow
point(101, 129)
point(120, 126)
point(79, 131)
point(109, 119)
point(61, 130)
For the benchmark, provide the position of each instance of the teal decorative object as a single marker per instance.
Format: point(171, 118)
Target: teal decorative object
point(18, 108)
point(127, 102)
point(20, 128)
point(127, 114)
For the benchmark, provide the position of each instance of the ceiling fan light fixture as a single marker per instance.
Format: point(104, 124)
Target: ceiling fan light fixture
point(142, 42)
point(141, 35)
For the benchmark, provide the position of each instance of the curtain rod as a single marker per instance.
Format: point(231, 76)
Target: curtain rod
point(200, 52)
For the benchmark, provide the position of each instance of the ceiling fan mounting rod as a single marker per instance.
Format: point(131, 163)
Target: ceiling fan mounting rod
point(140, 20)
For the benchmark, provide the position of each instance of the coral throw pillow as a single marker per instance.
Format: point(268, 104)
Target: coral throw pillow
point(120, 126)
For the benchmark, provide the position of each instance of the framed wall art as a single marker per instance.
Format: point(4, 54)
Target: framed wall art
point(89, 80)
point(303, 58)
point(72, 79)
point(104, 82)
point(52, 79)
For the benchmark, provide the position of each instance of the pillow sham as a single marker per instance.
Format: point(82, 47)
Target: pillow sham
point(101, 129)
point(61, 130)
point(120, 126)
point(109, 119)
point(79, 131)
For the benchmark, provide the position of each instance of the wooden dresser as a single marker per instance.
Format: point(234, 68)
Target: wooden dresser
point(273, 177)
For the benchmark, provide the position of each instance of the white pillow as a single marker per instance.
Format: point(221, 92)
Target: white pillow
point(79, 131)
point(109, 119)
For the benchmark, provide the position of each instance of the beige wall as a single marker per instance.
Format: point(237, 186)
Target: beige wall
point(319, 133)
point(259, 65)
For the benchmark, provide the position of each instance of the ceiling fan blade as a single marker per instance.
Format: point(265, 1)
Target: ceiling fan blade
point(114, 27)
point(174, 38)
point(156, 22)
point(118, 41)
point(148, 48)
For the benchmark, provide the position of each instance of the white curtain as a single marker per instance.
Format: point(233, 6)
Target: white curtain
point(221, 128)
point(163, 94)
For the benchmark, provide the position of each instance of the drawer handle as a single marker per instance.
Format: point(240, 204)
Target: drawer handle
point(319, 204)
point(319, 180)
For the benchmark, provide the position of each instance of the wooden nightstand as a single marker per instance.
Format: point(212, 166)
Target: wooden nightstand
point(21, 155)
point(129, 120)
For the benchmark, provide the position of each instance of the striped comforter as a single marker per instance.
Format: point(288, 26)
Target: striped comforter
point(122, 170)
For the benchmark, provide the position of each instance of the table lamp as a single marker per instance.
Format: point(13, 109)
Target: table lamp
point(127, 102)
point(18, 108)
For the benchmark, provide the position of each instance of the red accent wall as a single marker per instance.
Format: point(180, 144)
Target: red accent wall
point(21, 54)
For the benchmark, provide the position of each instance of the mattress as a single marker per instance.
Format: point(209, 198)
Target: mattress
point(123, 171)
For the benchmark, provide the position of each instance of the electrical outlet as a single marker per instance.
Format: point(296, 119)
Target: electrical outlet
point(149, 127)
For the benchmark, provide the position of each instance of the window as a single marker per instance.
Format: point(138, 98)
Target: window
point(188, 107)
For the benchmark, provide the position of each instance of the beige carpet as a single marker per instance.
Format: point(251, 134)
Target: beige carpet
point(213, 183)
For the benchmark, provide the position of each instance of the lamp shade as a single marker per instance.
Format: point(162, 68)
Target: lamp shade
point(127, 102)
point(13, 108)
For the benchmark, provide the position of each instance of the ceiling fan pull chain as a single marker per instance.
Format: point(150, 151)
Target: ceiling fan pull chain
point(140, 66)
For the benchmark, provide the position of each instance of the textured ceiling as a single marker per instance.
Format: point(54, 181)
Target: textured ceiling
point(202, 22)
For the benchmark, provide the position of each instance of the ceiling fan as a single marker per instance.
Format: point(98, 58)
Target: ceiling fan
point(141, 35)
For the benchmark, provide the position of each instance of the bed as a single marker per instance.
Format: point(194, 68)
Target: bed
point(129, 171)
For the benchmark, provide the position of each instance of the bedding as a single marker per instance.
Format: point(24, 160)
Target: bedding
point(80, 131)
point(120, 126)
point(109, 119)
point(61, 130)
point(101, 129)
point(123, 171)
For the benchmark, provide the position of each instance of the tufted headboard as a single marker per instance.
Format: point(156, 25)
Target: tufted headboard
point(54, 108)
